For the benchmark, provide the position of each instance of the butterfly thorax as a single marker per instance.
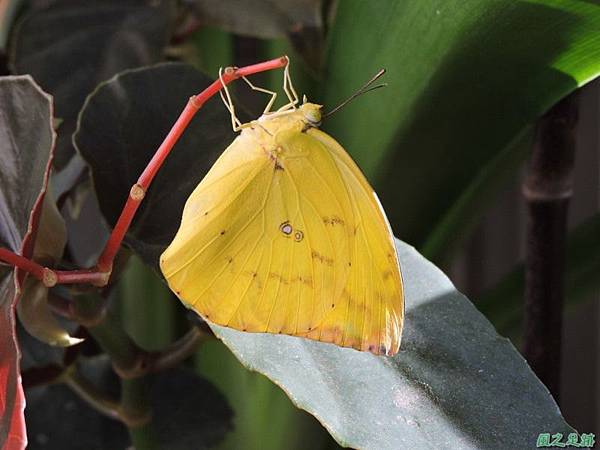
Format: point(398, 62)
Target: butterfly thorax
point(272, 130)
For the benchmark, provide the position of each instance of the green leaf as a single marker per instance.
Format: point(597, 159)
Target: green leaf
point(55, 413)
point(189, 412)
point(465, 78)
point(265, 419)
point(120, 127)
point(33, 308)
point(58, 419)
point(72, 45)
point(259, 18)
point(27, 142)
point(503, 303)
point(454, 384)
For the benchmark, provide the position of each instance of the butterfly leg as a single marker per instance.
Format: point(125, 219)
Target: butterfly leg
point(100, 274)
point(236, 124)
point(266, 91)
point(289, 90)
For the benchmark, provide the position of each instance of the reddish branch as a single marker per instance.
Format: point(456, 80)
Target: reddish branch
point(100, 274)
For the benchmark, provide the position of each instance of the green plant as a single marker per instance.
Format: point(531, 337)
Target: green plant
point(465, 81)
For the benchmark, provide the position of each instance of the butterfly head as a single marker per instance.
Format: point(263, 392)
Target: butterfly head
point(311, 112)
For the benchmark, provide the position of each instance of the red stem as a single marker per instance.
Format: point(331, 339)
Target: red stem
point(22, 263)
point(100, 274)
point(136, 195)
point(91, 276)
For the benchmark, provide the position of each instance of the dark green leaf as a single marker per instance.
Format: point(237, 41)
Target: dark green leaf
point(121, 126)
point(260, 18)
point(454, 384)
point(189, 412)
point(71, 45)
point(27, 142)
point(465, 77)
point(300, 21)
point(58, 419)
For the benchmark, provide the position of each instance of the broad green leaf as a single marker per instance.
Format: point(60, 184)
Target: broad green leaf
point(27, 141)
point(465, 78)
point(120, 127)
point(454, 384)
point(72, 45)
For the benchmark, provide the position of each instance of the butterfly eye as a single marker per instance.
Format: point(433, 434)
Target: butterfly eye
point(298, 236)
point(285, 228)
point(312, 114)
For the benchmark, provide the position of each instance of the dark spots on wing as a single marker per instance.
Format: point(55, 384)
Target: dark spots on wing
point(205, 213)
point(355, 230)
point(333, 220)
point(244, 329)
point(178, 292)
point(298, 236)
point(333, 305)
point(222, 232)
point(286, 228)
point(309, 328)
point(349, 264)
point(276, 276)
point(387, 274)
point(371, 348)
point(254, 275)
point(322, 258)
point(278, 166)
point(304, 280)
point(230, 260)
point(382, 350)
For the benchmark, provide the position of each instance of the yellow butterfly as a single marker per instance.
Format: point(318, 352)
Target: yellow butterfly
point(285, 235)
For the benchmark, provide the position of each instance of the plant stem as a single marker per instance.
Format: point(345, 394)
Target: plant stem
point(177, 352)
point(110, 335)
point(547, 190)
point(90, 394)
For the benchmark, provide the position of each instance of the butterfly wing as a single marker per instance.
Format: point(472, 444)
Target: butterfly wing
point(372, 306)
point(271, 242)
point(246, 255)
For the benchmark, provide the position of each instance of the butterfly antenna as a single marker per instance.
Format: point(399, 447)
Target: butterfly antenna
point(363, 90)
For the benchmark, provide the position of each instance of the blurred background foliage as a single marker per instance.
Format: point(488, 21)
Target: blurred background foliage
point(466, 81)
